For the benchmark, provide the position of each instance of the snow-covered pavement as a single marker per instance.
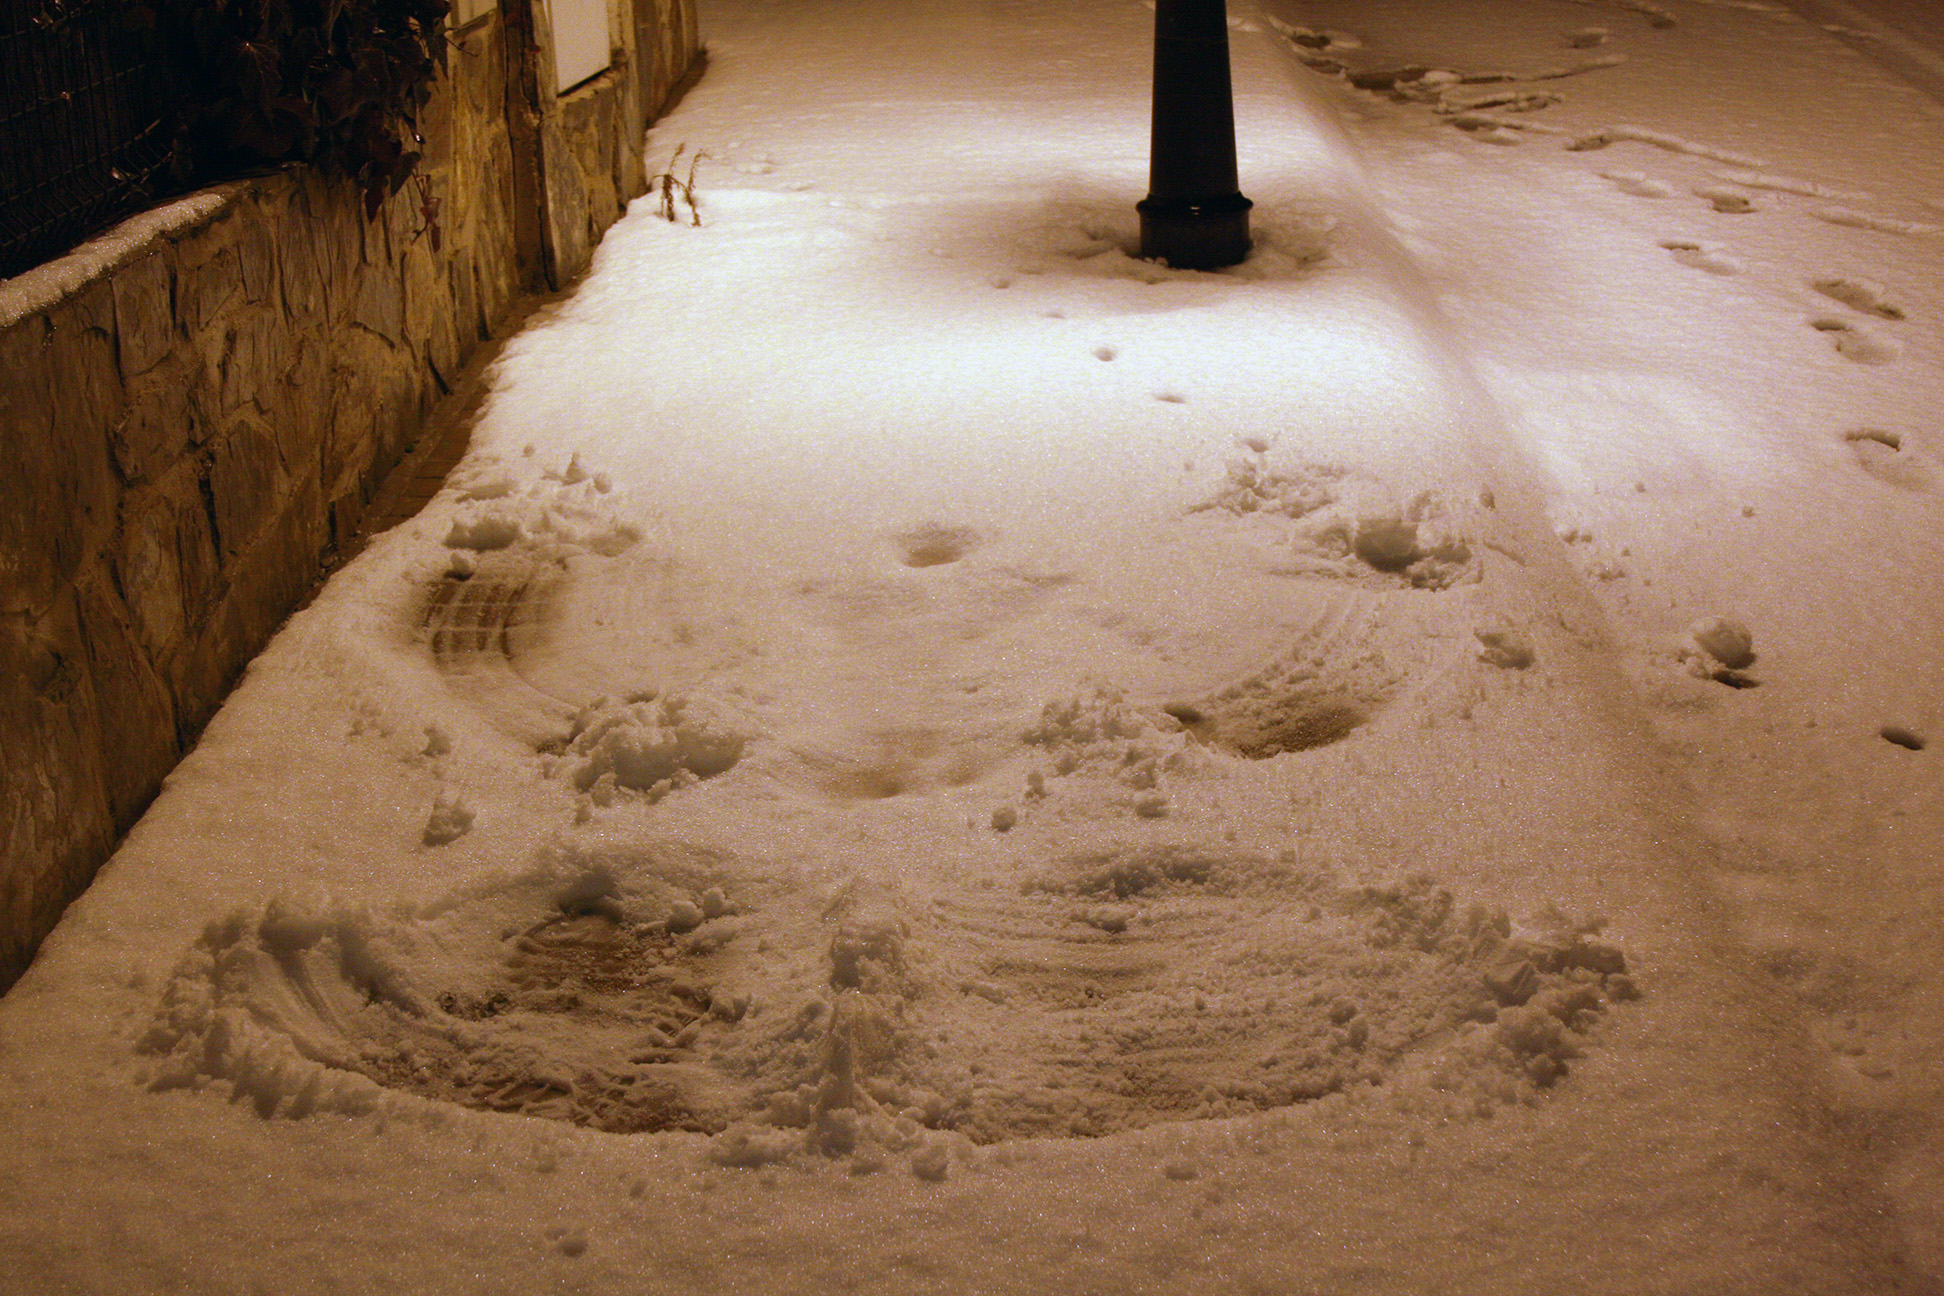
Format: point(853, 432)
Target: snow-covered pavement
point(922, 753)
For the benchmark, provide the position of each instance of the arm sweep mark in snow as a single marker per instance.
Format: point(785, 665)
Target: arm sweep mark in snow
point(1671, 143)
point(1881, 224)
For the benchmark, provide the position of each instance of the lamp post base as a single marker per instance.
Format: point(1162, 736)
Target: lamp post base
point(1195, 235)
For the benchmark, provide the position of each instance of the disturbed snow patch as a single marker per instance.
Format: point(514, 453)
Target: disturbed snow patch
point(576, 991)
point(1315, 696)
point(1121, 756)
point(638, 988)
point(1104, 242)
point(1127, 987)
point(1720, 648)
point(1347, 524)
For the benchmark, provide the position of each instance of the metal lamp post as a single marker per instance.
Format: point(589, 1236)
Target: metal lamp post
point(1194, 216)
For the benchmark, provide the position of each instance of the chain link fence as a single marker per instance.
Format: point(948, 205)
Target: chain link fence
point(86, 105)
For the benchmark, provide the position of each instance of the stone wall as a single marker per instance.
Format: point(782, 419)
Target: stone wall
point(197, 407)
point(588, 167)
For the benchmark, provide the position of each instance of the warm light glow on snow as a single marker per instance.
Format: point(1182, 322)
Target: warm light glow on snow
point(919, 751)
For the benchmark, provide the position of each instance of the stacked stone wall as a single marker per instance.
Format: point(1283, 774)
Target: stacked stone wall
point(196, 409)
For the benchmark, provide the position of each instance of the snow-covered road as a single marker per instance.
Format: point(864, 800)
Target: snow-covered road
point(922, 753)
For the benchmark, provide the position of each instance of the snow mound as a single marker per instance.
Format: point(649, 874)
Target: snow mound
point(1865, 295)
point(1859, 342)
point(1250, 485)
point(1726, 639)
point(1662, 140)
point(1505, 646)
point(261, 1003)
point(559, 515)
point(1638, 184)
point(1710, 257)
point(1720, 648)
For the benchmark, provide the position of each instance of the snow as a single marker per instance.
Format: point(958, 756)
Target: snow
point(41, 287)
point(920, 752)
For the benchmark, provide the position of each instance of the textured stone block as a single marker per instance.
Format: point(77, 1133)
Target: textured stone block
point(351, 438)
point(209, 665)
point(237, 377)
point(196, 557)
point(245, 481)
point(336, 240)
point(208, 287)
point(374, 233)
point(568, 248)
point(301, 402)
point(590, 121)
point(435, 122)
point(159, 426)
point(381, 302)
point(144, 312)
point(422, 299)
point(463, 293)
point(61, 385)
point(256, 246)
point(249, 366)
point(306, 298)
point(84, 373)
point(36, 550)
point(89, 403)
point(55, 827)
point(479, 71)
point(278, 571)
point(149, 571)
point(137, 739)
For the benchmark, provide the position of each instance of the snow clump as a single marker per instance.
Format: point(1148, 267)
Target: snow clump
point(1504, 646)
point(1725, 639)
point(649, 743)
point(451, 819)
point(485, 532)
point(1347, 524)
point(1103, 739)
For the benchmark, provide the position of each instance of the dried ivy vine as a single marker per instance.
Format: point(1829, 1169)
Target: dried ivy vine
point(337, 83)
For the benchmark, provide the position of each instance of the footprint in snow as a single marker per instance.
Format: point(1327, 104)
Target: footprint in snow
point(933, 545)
point(1703, 256)
point(1730, 201)
point(1882, 455)
point(1865, 295)
point(1903, 736)
point(1863, 345)
point(1637, 184)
